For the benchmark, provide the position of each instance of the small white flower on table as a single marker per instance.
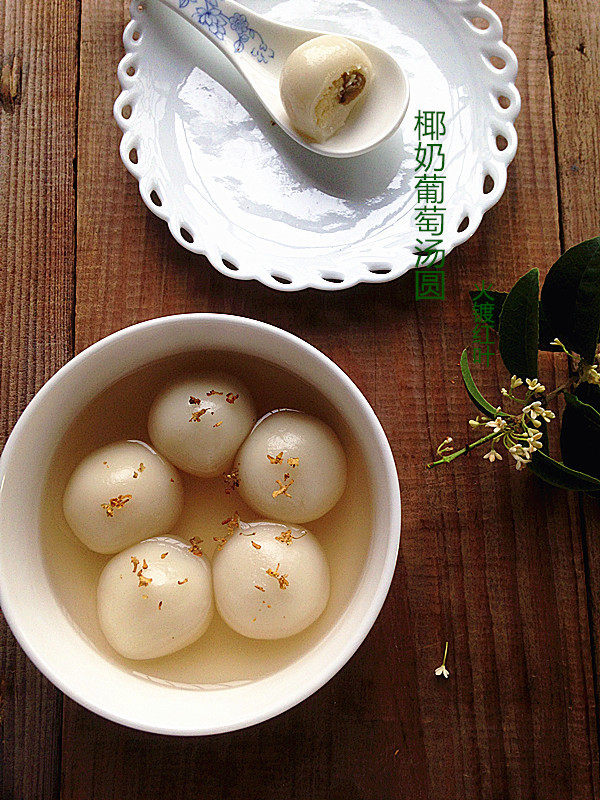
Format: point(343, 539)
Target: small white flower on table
point(442, 670)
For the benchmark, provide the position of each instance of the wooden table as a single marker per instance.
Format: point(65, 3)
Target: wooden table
point(504, 568)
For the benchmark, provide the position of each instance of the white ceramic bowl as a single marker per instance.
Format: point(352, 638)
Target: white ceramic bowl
point(31, 606)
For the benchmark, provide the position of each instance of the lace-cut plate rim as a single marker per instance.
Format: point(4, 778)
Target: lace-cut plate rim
point(233, 187)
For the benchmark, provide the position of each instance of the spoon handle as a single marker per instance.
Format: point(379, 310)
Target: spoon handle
point(234, 29)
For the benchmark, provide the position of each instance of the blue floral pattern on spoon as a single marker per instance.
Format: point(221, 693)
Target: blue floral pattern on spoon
point(209, 14)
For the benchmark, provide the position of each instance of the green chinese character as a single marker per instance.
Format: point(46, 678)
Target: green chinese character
point(483, 351)
point(430, 220)
point(429, 284)
point(428, 155)
point(483, 305)
point(430, 124)
point(429, 254)
point(430, 190)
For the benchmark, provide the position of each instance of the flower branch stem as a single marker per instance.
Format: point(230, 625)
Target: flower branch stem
point(471, 446)
point(560, 390)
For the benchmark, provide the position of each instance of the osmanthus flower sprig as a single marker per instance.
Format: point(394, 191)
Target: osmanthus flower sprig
point(564, 319)
point(517, 431)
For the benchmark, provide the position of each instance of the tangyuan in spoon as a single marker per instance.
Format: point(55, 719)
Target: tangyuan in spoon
point(337, 96)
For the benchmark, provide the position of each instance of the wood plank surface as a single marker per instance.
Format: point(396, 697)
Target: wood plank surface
point(491, 562)
point(39, 63)
point(574, 50)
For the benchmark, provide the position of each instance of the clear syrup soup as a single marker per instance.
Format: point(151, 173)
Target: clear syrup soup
point(220, 657)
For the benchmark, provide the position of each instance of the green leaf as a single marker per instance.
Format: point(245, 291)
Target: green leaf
point(496, 301)
point(588, 393)
point(476, 397)
point(546, 334)
point(519, 327)
point(571, 298)
point(558, 474)
point(487, 305)
point(580, 436)
point(588, 412)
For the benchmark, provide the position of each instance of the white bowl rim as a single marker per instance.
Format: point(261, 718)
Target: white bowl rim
point(379, 594)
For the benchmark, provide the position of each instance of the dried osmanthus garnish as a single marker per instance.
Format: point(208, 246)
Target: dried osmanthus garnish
point(195, 549)
point(257, 546)
point(260, 588)
point(276, 459)
point(231, 397)
point(164, 555)
point(197, 414)
point(218, 424)
point(282, 579)
point(283, 487)
point(286, 537)
point(194, 401)
point(232, 480)
point(160, 605)
point(212, 391)
point(185, 580)
point(115, 502)
point(221, 541)
point(293, 462)
point(233, 523)
point(143, 579)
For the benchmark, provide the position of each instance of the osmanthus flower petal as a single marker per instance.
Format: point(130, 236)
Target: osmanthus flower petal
point(493, 455)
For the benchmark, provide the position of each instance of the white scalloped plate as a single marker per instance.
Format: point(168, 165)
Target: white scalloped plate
point(235, 188)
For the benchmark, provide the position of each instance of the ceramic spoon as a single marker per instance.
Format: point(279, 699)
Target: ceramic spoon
point(258, 49)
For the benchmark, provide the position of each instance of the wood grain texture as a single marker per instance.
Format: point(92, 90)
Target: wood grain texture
point(574, 55)
point(38, 54)
point(574, 47)
point(490, 561)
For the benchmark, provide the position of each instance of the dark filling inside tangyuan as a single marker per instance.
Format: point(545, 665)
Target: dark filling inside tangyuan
point(352, 85)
